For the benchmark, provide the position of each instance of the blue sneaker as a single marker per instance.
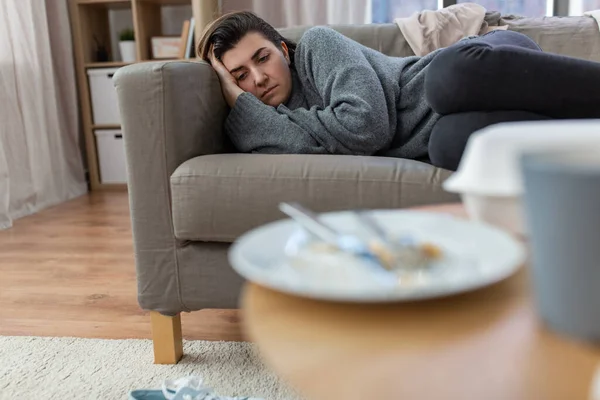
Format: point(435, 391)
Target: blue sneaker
point(188, 388)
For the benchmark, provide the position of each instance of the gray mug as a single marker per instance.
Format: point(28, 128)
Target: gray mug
point(562, 212)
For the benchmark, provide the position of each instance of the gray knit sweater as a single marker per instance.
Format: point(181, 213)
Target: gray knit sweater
point(346, 99)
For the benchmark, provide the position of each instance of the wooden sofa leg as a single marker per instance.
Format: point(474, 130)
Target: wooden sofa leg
point(166, 336)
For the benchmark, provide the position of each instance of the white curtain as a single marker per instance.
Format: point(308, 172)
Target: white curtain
point(285, 13)
point(40, 157)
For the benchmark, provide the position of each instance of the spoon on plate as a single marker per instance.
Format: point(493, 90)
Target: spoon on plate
point(383, 250)
point(345, 242)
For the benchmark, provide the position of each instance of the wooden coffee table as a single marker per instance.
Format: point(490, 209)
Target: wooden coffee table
point(487, 344)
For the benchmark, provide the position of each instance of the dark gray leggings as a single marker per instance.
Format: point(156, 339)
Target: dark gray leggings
point(503, 76)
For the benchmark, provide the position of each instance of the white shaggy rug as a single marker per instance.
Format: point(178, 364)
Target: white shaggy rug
point(72, 368)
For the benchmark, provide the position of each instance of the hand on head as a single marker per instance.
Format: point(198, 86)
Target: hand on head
point(229, 85)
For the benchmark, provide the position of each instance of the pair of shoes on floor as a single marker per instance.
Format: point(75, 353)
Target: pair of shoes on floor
point(187, 388)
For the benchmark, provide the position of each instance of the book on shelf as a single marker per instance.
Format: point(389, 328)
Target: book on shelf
point(185, 31)
point(187, 40)
point(190, 43)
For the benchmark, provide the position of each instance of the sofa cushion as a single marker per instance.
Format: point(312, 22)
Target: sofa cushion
point(219, 197)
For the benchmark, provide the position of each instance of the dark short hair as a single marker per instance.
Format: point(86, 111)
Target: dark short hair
point(226, 31)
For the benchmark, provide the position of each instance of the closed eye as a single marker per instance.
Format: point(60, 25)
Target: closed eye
point(261, 60)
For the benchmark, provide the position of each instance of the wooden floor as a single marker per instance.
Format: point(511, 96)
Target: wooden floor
point(69, 271)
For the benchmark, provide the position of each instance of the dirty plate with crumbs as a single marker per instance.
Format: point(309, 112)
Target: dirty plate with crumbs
point(454, 255)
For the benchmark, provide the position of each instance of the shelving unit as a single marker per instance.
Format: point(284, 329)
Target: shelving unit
point(90, 21)
point(105, 64)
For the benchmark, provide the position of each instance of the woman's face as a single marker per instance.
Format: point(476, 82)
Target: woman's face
point(260, 68)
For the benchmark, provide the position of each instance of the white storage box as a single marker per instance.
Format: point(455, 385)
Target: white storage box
point(105, 108)
point(111, 156)
point(489, 177)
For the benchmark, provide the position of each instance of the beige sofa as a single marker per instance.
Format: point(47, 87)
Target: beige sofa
point(191, 194)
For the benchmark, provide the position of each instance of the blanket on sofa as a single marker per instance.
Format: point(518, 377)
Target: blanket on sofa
point(429, 30)
point(576, 36)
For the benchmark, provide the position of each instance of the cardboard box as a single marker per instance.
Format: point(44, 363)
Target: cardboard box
point(166, 46)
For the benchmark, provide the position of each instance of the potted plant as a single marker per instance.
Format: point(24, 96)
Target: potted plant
point(127, 45)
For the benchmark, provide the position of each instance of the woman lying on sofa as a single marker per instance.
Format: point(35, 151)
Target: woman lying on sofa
point(331, 95)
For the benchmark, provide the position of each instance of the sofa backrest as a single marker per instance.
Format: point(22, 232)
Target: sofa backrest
point(385, 38)
point(571, 36)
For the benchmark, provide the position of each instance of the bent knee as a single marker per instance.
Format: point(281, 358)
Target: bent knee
point(451, 73)
point(460, 57)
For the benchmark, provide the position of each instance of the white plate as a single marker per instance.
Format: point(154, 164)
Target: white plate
point(475, 255)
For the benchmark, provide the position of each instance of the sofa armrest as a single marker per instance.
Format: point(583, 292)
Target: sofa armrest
point(172, 109)
point(170, 112)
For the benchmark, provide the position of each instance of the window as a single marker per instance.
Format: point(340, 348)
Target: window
point(589, 5)
point(578, 7)
point(530, 8)
point(387, 10)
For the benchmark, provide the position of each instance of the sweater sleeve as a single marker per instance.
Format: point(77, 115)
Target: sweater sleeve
point(354, 119)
